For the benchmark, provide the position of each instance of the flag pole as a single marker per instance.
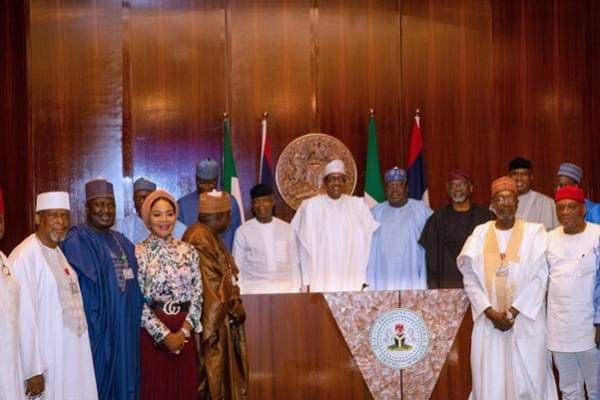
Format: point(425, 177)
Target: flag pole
point(263, 139)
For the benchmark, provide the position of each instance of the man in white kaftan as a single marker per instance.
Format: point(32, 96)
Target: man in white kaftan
point(397, 260)
point(334, 233)
point(505, 275)
point(55, 348)
point(12, 386)
point(132, 226)
point(533, 206)
point(265, 250)
point(573, 265)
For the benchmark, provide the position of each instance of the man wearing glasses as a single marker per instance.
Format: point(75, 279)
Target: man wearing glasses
point(505, 274)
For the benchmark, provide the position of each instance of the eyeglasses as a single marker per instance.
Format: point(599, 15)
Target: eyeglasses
point(508, 201)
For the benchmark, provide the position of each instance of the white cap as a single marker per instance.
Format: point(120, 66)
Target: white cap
point(334, 166)
point(52, 201)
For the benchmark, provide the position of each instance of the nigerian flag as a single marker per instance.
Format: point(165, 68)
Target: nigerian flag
point(230, 181)
point(373, 184)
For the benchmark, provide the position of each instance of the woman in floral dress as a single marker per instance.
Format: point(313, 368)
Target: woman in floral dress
point(172, 288)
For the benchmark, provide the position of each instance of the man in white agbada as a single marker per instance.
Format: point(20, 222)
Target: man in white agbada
point(11, 382)
point(334, 232)
point(55, 348)
point(505, 275)
point(397, 260)
point(533, 206)
point(132, 226)
point(265, 250)
point(572, 259)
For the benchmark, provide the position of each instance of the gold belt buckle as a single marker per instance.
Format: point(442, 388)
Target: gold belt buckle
point(171, 308)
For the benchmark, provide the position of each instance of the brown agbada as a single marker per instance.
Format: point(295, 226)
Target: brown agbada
point(222, 355)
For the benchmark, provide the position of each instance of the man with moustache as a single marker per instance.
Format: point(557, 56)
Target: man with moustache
point(397, 261)
point(505, 276)
point(11, 381)
point(132, 226)
point(533, 206)
point(56, 358)
point(572, 254)
point(107, 268)
point(570, 174)
point(333, 233)
point(265, 249)
point(448, 228)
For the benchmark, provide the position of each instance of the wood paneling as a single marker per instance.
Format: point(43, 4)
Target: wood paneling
point(177, 83)
point(297, 352)
point(544, 80)
point(76, 98)
point(14, 138)
point(358, 68)
point(446, 59)
point(269, 70)
point(454, 381)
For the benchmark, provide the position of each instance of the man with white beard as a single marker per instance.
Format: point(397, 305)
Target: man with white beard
point(55, 349)
point(505, 276)
point(11, 382)
point(448, 228)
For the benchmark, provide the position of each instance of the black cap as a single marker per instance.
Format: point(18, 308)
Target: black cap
point(518, 163)
point(260, 190)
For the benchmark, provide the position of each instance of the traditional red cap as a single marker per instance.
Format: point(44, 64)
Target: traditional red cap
point(458, 174)
point(571, 193)
point(504, 183)
point(1, 202)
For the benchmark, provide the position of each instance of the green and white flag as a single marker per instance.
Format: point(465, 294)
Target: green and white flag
point(230, 181)
point(374, 192)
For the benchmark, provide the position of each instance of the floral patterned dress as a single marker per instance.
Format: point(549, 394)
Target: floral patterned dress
point(168, 272)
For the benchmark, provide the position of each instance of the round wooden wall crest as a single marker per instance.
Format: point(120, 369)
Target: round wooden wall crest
point(299, 171)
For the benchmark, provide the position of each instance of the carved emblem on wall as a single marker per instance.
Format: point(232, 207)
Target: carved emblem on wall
point(300, 167)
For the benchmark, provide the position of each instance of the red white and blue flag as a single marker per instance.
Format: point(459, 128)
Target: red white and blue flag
point(417, 183)
point(265, 172)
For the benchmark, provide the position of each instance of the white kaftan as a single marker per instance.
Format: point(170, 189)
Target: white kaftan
point(513, 364)
point(267, 257)
point(54, 337)
point(334, 242)
point(539, 208)
point(12, 386)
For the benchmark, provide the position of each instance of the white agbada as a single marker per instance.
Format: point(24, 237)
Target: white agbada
point(334, 241)
point(539, 208)
point(573, 264)
point(267, 257)
point(12, 385)
point(54, 337)
point(513, 364)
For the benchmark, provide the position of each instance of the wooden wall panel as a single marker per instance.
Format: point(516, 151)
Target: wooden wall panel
point(543, 79)
point(269, 70)
point(446, 60)
point(177, 85)
point(297, 352)
point(358, 68)
point(15, 169)
point(76, 101)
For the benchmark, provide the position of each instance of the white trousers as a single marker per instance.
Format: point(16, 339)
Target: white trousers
point(575, 370)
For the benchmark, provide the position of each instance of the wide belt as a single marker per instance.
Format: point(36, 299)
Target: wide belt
point(170, 307)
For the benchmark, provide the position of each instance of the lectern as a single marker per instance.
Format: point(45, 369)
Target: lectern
point(408, 345)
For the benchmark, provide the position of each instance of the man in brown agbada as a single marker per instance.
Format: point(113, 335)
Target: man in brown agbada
point(223, 359)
